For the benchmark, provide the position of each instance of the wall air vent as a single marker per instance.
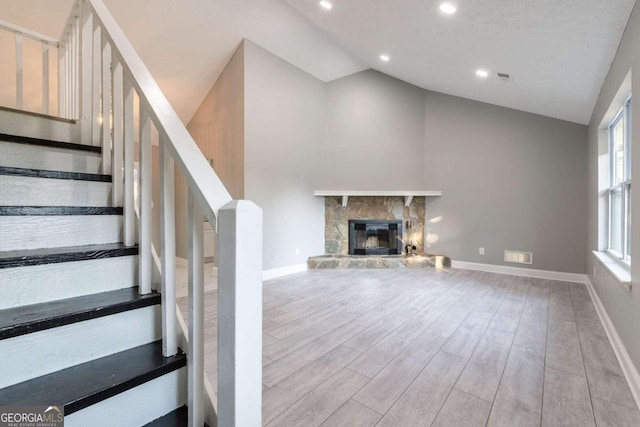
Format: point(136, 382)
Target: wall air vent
point(518, 257)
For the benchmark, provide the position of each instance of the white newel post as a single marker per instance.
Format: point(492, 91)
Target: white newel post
point(240, 315)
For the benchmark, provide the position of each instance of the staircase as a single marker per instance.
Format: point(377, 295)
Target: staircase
point(74, 330)
point(88, 320)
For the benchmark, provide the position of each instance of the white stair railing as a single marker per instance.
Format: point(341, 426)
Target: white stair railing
point(47, 44)
point(110, 76)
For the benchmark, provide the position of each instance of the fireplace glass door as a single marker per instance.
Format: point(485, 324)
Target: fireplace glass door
point(375, 237)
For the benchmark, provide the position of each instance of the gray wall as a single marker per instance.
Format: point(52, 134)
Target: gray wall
point(374, 134)
point(623, 306)
point(510, 180)
point(284, 122)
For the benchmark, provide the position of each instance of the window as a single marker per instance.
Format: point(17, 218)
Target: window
point(619, 191)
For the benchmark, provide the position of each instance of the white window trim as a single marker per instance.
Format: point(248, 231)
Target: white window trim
point(621, 259)
point(613, 265)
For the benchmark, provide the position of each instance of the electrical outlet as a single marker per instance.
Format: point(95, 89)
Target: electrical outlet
point(297, 251)
point(481, 251)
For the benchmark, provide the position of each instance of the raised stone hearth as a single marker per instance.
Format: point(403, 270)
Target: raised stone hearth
point(408, 211)
point(377, 261)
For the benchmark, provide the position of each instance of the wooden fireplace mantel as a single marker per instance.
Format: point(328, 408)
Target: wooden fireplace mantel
point(408, 195)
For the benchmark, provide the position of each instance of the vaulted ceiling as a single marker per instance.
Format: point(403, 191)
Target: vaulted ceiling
point(556, 52)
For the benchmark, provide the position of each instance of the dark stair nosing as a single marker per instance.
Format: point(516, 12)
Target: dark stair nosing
point(176, 418)
point(45, 173)
point(24, 258)
point(48, 143)
point(58, 210)
point(83, 385)
point(39, 317)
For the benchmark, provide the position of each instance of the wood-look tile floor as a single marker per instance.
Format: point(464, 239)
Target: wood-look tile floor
point(432, 348)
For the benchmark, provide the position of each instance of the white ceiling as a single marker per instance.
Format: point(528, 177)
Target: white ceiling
point(558, 52)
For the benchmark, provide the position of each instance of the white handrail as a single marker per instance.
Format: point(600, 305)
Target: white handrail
point(207, 187)
point(112, 73)
point(27, 33)
point(20, 34)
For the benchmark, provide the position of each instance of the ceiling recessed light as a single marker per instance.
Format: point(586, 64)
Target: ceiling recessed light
point(447, 8)
point(326, 5)
point(384, 58)
point(482, 73)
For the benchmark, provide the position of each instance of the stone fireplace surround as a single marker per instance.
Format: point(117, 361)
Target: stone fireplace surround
point(372, 207)
point(406, 206)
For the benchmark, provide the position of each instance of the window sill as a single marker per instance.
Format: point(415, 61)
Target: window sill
point(621, 273)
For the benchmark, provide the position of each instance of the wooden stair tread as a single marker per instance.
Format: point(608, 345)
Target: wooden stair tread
point(53, 174)
point(59, 210)
point(177, 418)
point(83, 385)
point(22, 258)
point(37, 317)
point(48, 143)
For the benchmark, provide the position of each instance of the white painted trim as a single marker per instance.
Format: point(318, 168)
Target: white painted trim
point(518, 271)
point(620, 273)
point(630, 372)
point(378, 193)
point(283, 271)
point(27, 33)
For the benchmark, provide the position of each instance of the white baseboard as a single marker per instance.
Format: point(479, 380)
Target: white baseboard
point(283, 271)
point(628, 368)
point(518, 271)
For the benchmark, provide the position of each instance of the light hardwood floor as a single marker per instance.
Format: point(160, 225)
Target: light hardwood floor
point(426, 347)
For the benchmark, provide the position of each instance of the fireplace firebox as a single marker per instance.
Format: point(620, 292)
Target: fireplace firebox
point(375, 237)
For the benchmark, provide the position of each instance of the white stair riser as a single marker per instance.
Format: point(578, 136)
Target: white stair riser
point(50, 282)
point(137, 406)
point(30, 191)
point(48, 158)
point(35, 232)
point(40, 353)
point(26, 124)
